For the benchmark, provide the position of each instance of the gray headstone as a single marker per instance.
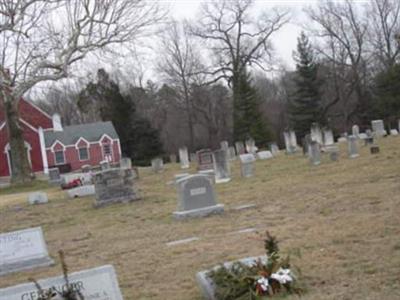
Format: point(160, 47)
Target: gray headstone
point(221, 166)
point(224, 145)
point(315, 153)
point(251, 146)
point(205, 159)
point(86, 168)
point(184, 158)
point(247, 165)
point(378, 127)
point(37, 198)
point(23, 250)
point(273, 147)
point(104, 165)
point(81, 191)
point(125, 163)
point(196, 197)
point(54, 176)
point(352, 146)
point(316, 133)
point(306, 142)
point(394, 132)
point(193, 157)
point(355, 130)
point(115, 185)
point(97, 284)
point(157, 165)
point(172, 158)
point(264, 155)
point(290, 141)
point(328, 137)
point(232, 153)
point(240, 149)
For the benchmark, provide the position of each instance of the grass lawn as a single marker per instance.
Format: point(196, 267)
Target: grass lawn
point(343, 216)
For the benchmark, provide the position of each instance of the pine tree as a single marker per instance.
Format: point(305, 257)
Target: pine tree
point(305, 103)
point(247, 117)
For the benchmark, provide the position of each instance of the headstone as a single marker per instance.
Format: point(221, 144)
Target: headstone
point(172, 158)
point(157, 165)
point(334, 155)
point(81, 191)
point(224, 145)
point(115, 185)
point(193, 157)
point(125, 163)
point(328, 137)
point(184, 158)
point(54, 176)
point(86, 168)
point(352, 146)
point(369, 140)
point(290, 141)
point(316, 134)
point(37, 198)
point(221, 166)
point(104, 165)
point(264, 155)
point(362, 136)
point(315, 153)
point(232, 153)
point(355, 130)
point(247, 165)
point(374, 149)
point(240, 149)
point(378, 128)
point(306, 142)
point(205, 159)
point(394, 132)
point(251, 146)
point(273, 147)
point(196, 197)
point(180, 176)
point(23, 250)
point(342, 139)
point(97, 284)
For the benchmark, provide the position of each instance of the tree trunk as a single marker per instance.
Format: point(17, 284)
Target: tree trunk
point(20, 168)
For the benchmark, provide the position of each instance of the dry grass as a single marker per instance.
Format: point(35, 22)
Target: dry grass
point(344, 217)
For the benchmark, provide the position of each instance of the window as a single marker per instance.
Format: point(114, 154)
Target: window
point(83, 153)
point(59, 157)
point(107, 149)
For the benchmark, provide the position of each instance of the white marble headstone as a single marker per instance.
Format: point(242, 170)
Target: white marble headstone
point(95, 284)
point(22, 250)
point(264, 155)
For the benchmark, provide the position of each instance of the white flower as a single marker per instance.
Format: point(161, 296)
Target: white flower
point(283, 276)
point(264, 284)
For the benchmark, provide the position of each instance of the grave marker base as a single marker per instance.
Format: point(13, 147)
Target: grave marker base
point(200, 212)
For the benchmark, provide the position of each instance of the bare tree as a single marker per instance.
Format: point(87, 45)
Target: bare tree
point(42, 40)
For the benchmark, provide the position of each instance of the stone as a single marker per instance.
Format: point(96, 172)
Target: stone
point(157, 165)
point(352, 146)
point(315, 153)
point(333, 153)
point(305, 143)
point(205, 159)
point(196, 197)
point(244, 206)
point(172, 158)
point(355, 130)
point(342, 139)
point(328, 137)
point(224, 145)
point(179, 176)
point(184, 158)
point(206, 284)
point(378, 128)
point(240, 149)
point(264, 155)
point(125, 163)
point(81, 191)
point(394, 132)
point(37, 198)
point(374, 149)
point(114, 186)
point(316, 133)
point(54, 176)
point(105, 165)
point(232, 153)
point(362, 136)
point(273, 147)
point(86, 168)
point(23, 250)
point(251, 146)
point(222, 167)
point(247, 165)
point(290, 141)
point(193, 157)
point(97, 284)
point(184, 241)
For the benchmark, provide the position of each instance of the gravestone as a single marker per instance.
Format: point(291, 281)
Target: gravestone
point(82, 191)
point(157, 165)
point(316, 133)
point(115, 185)
point(374, 149)
point(262, 155)
point(205, 159)
point(362, 136)
point(273, 147)
point(306, 142)
point(355, 130)
point(251, 146)
point(315, 153)
point(54, 176)
point(221, 166)
point(328, 137)
point(369, 140)
point(172, 158)
point(37, 198)
point(240, 149)
point(290, 141)
point(394, 132)
point(23, 250)
point(232, 153)
point(342, 139)
point(184, 158)
point(196, 197)
point(224, 145)
point(247, 165)
point(352, 146)
point(125, 163)
point(104, 165)
point(94, 284)
point(193, 157)
point(86, 168)
point(378, 128)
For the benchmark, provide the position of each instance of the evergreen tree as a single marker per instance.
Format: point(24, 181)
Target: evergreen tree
point(248, 120)
point(139, 140)
point(305, 103)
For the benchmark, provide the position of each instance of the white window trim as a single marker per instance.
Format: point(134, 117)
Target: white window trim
point(55, 160)
point(79, 153)
point(55, 143)
point(7, 148)
point(111, 149)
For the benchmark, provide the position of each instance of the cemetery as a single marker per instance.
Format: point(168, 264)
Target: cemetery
point(342, 216)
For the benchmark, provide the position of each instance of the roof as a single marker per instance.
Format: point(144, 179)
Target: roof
point(71, 134)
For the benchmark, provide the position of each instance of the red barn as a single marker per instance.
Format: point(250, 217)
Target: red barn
point(48, 144)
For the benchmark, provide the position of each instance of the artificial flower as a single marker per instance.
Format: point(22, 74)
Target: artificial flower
point(283, 276)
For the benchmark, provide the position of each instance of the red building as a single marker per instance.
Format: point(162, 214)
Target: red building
point(48, 144)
